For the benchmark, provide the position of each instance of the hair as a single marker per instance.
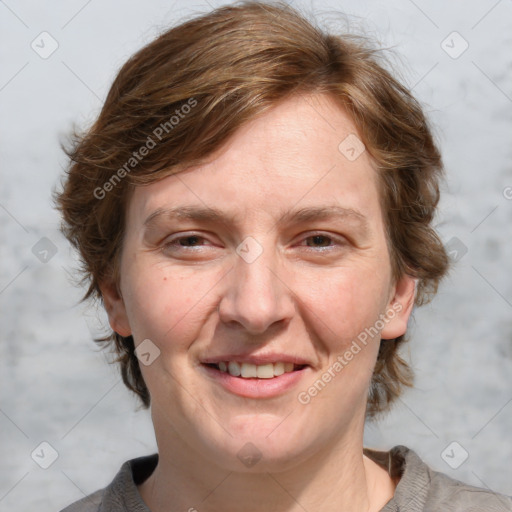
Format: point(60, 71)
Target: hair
point(181, 97)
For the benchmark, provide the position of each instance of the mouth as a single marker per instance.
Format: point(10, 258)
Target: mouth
point(253, 371)
point(256, 381)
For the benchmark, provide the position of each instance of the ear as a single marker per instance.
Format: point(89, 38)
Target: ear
point(115, 308)
point(399, 308)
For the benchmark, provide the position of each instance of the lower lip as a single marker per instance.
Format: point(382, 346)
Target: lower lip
point(254, 387)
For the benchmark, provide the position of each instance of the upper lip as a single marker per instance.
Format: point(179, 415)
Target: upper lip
point(257, 359)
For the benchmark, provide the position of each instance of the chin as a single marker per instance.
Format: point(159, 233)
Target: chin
point(262, 455)
point(259, 445)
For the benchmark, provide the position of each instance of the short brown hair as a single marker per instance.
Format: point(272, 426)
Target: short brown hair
point(184, 94)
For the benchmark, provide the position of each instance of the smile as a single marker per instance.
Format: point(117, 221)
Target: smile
point(261, 371)
point(255, 381)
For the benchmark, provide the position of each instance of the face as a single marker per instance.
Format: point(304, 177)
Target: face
point(273, 251)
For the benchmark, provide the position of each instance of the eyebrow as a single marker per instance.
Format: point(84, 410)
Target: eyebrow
point(214, 215)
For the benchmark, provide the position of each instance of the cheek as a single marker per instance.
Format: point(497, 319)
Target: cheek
point(343, 303)
point(167, 306)
point(172, 309)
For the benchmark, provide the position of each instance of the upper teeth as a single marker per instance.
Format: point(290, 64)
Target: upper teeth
point(248, 370)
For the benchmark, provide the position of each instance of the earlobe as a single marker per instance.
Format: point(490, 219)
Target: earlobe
point(399, 308)
point(115, 308)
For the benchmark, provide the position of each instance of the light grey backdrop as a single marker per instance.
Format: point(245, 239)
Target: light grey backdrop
point(56, 386)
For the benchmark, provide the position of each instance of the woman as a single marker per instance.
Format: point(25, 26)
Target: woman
point(253, 206)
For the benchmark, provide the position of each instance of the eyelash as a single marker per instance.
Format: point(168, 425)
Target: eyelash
point(173, 244)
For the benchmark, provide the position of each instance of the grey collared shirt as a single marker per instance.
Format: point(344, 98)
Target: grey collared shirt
point(420, 489)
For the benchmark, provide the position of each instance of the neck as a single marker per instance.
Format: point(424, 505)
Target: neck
point(337, 478)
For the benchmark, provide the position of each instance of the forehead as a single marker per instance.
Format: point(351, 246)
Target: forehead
point(299, 154)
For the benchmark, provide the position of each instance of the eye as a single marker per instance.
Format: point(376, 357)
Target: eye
point(322, 241)
point(184, 241)
point(319, 241)
point(189, 241)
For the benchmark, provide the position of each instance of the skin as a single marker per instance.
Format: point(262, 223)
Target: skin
point(196, 297)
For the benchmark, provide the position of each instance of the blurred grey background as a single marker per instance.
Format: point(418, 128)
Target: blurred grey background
point(58, 60)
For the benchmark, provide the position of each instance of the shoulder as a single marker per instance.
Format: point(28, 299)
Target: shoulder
point(121, 493)
point(90, 503)
point(453, 495)
point(421, 489)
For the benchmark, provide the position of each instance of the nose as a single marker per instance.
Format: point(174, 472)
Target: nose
point(256, 295)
